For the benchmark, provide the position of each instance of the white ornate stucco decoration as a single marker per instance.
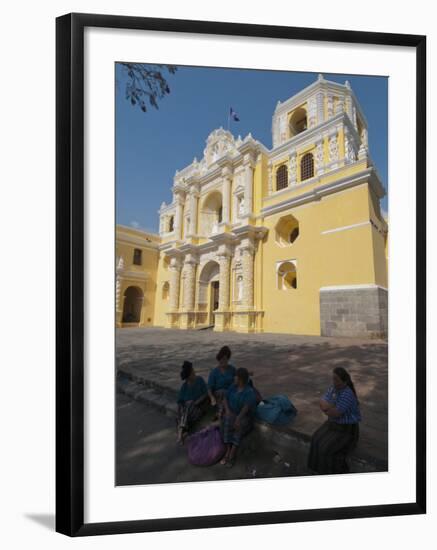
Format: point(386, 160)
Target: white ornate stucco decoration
point(339, 106)
point(333, 147)
point(282, 129)
point(350, 153)
point(219, 143)
point(241, 206)
point(119, 270)
point(312, 112)
point(330, 106)
point(319, 158)
point(363, 150)
point(292, 172)
point(120, 265)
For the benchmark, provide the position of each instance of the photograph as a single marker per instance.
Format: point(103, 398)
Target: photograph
point(251, 273)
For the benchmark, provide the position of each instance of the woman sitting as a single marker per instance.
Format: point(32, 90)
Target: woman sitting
point(192, 400)
point(221, 378)
point(239, 411)
point(332, 442)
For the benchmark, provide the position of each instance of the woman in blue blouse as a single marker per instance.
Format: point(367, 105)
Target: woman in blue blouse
point(192, 400)
point(221, 378)
point(239, 411)
point(332, 442)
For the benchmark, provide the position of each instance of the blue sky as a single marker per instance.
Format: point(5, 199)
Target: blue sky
point(151, 146)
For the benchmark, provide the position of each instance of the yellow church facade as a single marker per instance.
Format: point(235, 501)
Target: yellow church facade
point(287, 240)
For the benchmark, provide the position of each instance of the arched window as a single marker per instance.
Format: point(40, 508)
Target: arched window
point(287, 276)
point(298, 122)
point(306, 166)
point(171, 224)
point(281, 177)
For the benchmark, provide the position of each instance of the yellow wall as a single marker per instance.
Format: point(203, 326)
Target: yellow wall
point(140, 276)
point(346, 257)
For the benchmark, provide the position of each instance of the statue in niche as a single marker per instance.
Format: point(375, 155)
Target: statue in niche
point(241, 206)
point(239, 287)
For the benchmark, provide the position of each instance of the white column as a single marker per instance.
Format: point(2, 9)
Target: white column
point(320, 161)
point(330, 106)
point(226, 174)
point(248, 185)
point(194, 197)
point(292, 168)
point(175, 279)
point(248, 275)
point(224, 279)
point(320, 108)
point(178, 216)
point(190, 283)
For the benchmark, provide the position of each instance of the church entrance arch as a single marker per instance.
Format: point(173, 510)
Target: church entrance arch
point(133, 302)
point(209, 291)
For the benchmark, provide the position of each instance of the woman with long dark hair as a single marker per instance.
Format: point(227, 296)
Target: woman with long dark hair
point(334, 440)
point(221, 378)
point(192, 400)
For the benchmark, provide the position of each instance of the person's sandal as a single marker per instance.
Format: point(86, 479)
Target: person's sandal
point(230, 463)
point(224, 461)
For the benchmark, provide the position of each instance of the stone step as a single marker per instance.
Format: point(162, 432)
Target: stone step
point(204, 327)
point(141, 392)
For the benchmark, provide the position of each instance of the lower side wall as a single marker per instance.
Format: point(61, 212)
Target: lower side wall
point(354, 311)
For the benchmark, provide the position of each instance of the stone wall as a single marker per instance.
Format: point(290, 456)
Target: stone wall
point(355, 311)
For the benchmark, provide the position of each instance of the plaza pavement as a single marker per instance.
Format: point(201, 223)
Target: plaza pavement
point(298, 366)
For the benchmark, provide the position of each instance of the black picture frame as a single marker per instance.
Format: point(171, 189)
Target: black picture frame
point(70, 273)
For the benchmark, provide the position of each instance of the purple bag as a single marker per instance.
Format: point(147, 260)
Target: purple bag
point(206, 447)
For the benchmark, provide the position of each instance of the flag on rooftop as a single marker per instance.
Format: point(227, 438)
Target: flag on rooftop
point(233, 115)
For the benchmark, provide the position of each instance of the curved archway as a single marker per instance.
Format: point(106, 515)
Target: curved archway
point(212, 211)
point(298, 122)
point(209, 289)
point(133, 303)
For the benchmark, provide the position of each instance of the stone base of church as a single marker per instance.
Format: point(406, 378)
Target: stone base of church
point(237, 321)
point(355, 311)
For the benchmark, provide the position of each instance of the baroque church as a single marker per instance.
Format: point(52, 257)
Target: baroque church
point(289, 239)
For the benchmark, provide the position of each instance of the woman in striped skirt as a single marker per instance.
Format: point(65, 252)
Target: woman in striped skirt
point(337, 437)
